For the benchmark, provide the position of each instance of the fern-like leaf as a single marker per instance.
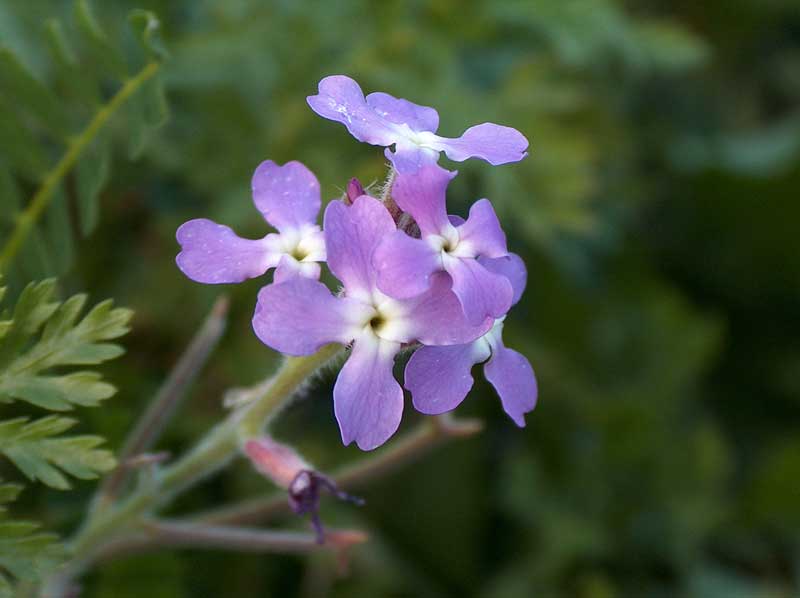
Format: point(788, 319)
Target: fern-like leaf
point(65, 340)
point(41, 335)
point(36, 448)
point(26, 552)
point(68, 114)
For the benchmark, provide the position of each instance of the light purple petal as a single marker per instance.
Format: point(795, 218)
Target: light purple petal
point(512, 376)
point(288, 267)
point(351, 235)
point(409, 158)
point(482, 232)
point(287, 196)
point(213, 254)
point(439, 378)
point(494, 143)
point(368, 401)
point(405, 265)
point(340, 99)
point(301, 315)
point(512, 267)
point(437, 318)
point(423, 195)
point(482, 293)
point(400, 111)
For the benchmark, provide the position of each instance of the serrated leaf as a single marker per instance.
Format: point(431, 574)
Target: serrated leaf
point(19, 86)
point(65, 340)
point(91, 175)
point(35, 448)
point(34, 307)
point(26, 553)
point(57, 393)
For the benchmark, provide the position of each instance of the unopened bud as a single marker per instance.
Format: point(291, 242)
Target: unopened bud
point(280, 463)
point(284, 466)
point(354, 189)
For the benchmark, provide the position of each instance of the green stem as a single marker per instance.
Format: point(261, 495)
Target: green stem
point(44, 194)
point(206, 457)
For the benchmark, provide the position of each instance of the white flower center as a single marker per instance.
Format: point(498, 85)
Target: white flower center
point(305, 244)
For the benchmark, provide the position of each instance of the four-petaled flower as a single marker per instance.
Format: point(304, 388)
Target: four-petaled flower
point(382, 119)
point(439, 378)
point(288, 198)
point(300, 315)
point(405, 264)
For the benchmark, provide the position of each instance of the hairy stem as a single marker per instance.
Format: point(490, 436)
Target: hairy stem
point(211, 453)
point(41, 199)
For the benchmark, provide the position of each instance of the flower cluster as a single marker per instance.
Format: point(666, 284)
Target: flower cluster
point(412, 276)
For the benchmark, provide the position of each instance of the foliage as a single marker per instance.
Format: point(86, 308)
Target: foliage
point(67, 115)
point(657, 214)
point(38, 340)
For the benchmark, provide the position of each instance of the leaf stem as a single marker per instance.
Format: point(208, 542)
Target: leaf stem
point(45, 193)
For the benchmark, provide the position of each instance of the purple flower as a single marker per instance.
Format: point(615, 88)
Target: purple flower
point(301, 315)
point(405, 264)
point(439, 378)
point(288, 198)
point(381, 119)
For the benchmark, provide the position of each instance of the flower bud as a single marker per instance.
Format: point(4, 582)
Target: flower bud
point(354, 189)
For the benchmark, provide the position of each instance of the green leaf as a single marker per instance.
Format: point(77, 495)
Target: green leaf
point(26, 553)
point(99, 47)
point(146, 27)
point(34, 447)
point(71, 75)
point(19, 146)
point(65, 340)
point(91, 176)
point(59, 232)
point(19, 86)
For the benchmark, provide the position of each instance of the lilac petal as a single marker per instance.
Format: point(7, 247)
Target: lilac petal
point(405, 265)
point(439, 378)
point(423, 195)
point(301, 315)
point(351, 235)
point(368, 401)
point(437, 318)
point(482, 233)
point(287, 196)
point(213, 254)
point(512, 267)
point(400, 111)
point(482, 293)
point(512, 376)
point(288, 267)
point(494, 143)
point(409, 158)
point(340, 99)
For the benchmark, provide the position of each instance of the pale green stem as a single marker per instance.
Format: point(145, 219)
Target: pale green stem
point(44, 195)
point(207, 456)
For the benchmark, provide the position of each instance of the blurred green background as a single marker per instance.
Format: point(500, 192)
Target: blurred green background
point(658, 215)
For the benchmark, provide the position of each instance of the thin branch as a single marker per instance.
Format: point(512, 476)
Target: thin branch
point(429, 434)
point(152, 423)
point(177, 534)
point(27, 219)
